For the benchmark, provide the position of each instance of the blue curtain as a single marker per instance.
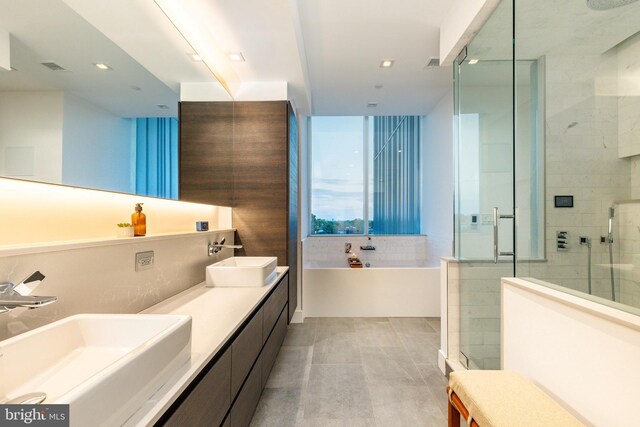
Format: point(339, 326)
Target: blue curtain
point(157, 157)
point(396, 175)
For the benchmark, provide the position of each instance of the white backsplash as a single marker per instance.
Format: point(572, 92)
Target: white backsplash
point(331, 249)
point(102, 279)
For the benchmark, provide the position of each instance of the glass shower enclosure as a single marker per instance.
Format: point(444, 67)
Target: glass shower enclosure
point(547, 160)
point(499, 192)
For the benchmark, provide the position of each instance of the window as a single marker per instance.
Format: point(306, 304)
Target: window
point(365, 175)
point(337, 170)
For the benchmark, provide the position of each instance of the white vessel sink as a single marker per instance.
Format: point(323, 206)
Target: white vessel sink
point(104, 365)
point(244, 271)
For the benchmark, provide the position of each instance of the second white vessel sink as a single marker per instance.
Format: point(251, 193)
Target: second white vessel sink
point(105, 366)
point(242, 272)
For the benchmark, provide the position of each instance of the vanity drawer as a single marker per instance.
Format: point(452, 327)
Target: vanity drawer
point(273, 307)
point(245, 350)
point(272, 347)
point(248, 398)
point(209, 401)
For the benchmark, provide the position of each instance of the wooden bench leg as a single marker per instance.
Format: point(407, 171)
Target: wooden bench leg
point(454, 416)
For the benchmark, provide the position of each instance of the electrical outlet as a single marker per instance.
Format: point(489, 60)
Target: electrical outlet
point(144, 260)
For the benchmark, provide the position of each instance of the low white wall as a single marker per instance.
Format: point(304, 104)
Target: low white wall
point(583, 353)
point(371, 292)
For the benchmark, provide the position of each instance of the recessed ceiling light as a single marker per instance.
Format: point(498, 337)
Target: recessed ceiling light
point(102, 66)
point(195, 57)
point(386, 63)
point(162, 106)
point(235, 56)
point(473, 61)
point(372, 104)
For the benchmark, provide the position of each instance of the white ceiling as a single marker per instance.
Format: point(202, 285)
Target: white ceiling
point(52, 31)
point(328, 51)
point(345, 42)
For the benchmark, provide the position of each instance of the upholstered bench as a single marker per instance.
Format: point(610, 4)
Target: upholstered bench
point(502, 399)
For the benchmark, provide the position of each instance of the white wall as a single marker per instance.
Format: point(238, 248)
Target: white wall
point(31, 128)
point(437, 190)
point(102, 279)
point(583, 353)
point(97, 147)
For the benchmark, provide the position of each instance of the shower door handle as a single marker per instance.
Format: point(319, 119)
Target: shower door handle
point(496, 218)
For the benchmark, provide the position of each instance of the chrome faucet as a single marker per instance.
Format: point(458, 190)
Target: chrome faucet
point(14, 296)
point(216, 247)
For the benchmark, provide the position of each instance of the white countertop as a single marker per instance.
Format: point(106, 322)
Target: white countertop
point(216, 314)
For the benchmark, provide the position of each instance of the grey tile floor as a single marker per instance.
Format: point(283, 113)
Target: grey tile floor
point(356, 372)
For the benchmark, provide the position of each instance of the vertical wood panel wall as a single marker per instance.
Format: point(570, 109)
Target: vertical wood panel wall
point(262, 183)
point(206, 152)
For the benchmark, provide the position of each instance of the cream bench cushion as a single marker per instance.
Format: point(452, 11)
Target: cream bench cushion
point(507, 399)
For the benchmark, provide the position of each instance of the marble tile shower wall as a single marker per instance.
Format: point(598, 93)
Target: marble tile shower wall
point(474, 312)
point(581, 160)
point(102, 279)
point(331, 249)
point(626, 254)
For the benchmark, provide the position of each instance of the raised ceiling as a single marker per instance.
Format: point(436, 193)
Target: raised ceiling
point(345, 41)
point(329, 51)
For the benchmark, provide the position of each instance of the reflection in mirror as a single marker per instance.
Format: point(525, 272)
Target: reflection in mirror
point(76, 109)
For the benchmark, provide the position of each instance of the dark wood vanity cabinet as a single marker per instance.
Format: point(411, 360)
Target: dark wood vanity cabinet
point(245, 155)
point(244, 351)
point(248, 397)
point(226, 393)
point(209, 400)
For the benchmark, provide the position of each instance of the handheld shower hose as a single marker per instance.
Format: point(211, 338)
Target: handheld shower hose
point(612, 213)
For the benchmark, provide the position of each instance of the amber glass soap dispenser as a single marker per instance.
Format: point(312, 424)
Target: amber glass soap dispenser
point(139, 221)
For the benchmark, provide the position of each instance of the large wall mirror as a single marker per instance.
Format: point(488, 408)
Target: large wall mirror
point(77, 107)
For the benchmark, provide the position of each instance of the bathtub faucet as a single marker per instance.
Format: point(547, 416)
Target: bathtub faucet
point(347, 248)
point(368, 248)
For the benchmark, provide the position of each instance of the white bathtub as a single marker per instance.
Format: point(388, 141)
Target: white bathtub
point(386, 289)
